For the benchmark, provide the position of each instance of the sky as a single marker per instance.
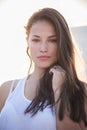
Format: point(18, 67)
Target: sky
point(14, 14)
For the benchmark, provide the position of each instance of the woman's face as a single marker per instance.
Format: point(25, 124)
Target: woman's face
point(42, 44)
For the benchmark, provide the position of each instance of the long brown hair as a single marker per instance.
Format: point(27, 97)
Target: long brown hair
point(72, 96)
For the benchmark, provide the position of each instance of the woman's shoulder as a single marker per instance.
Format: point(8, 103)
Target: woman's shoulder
point(5, 89)
point(5, 86)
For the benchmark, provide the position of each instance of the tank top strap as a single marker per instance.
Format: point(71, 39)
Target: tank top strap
point(13, 90)
point(21, 84)
point(12, 86)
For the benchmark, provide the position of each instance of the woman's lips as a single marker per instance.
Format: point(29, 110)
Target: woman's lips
point(43, 57)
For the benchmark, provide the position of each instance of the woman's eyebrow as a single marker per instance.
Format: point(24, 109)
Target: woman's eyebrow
point(36, 36)
point(52, 36)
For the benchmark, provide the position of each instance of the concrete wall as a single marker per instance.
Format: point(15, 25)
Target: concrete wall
point(80, 35)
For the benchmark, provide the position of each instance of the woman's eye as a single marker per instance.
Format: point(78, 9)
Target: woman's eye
point(53, 40)
point(35, 40)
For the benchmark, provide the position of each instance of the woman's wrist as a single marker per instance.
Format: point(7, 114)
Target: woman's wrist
point(56, 94)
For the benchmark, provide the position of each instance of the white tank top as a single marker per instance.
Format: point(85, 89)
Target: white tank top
point(12, 116)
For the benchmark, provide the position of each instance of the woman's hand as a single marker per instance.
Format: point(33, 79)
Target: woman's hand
point(58, 78)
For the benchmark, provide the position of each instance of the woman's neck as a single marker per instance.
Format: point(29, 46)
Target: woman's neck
point(37, 73)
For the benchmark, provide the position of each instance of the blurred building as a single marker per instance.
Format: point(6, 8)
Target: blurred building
point(80, 34)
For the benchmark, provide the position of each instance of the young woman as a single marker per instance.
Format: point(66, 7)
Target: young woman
point(52, 97)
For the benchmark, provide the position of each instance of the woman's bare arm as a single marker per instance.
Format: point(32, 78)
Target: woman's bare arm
point(4, 91)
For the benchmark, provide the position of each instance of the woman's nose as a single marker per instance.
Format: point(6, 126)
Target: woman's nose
point(43, 47)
